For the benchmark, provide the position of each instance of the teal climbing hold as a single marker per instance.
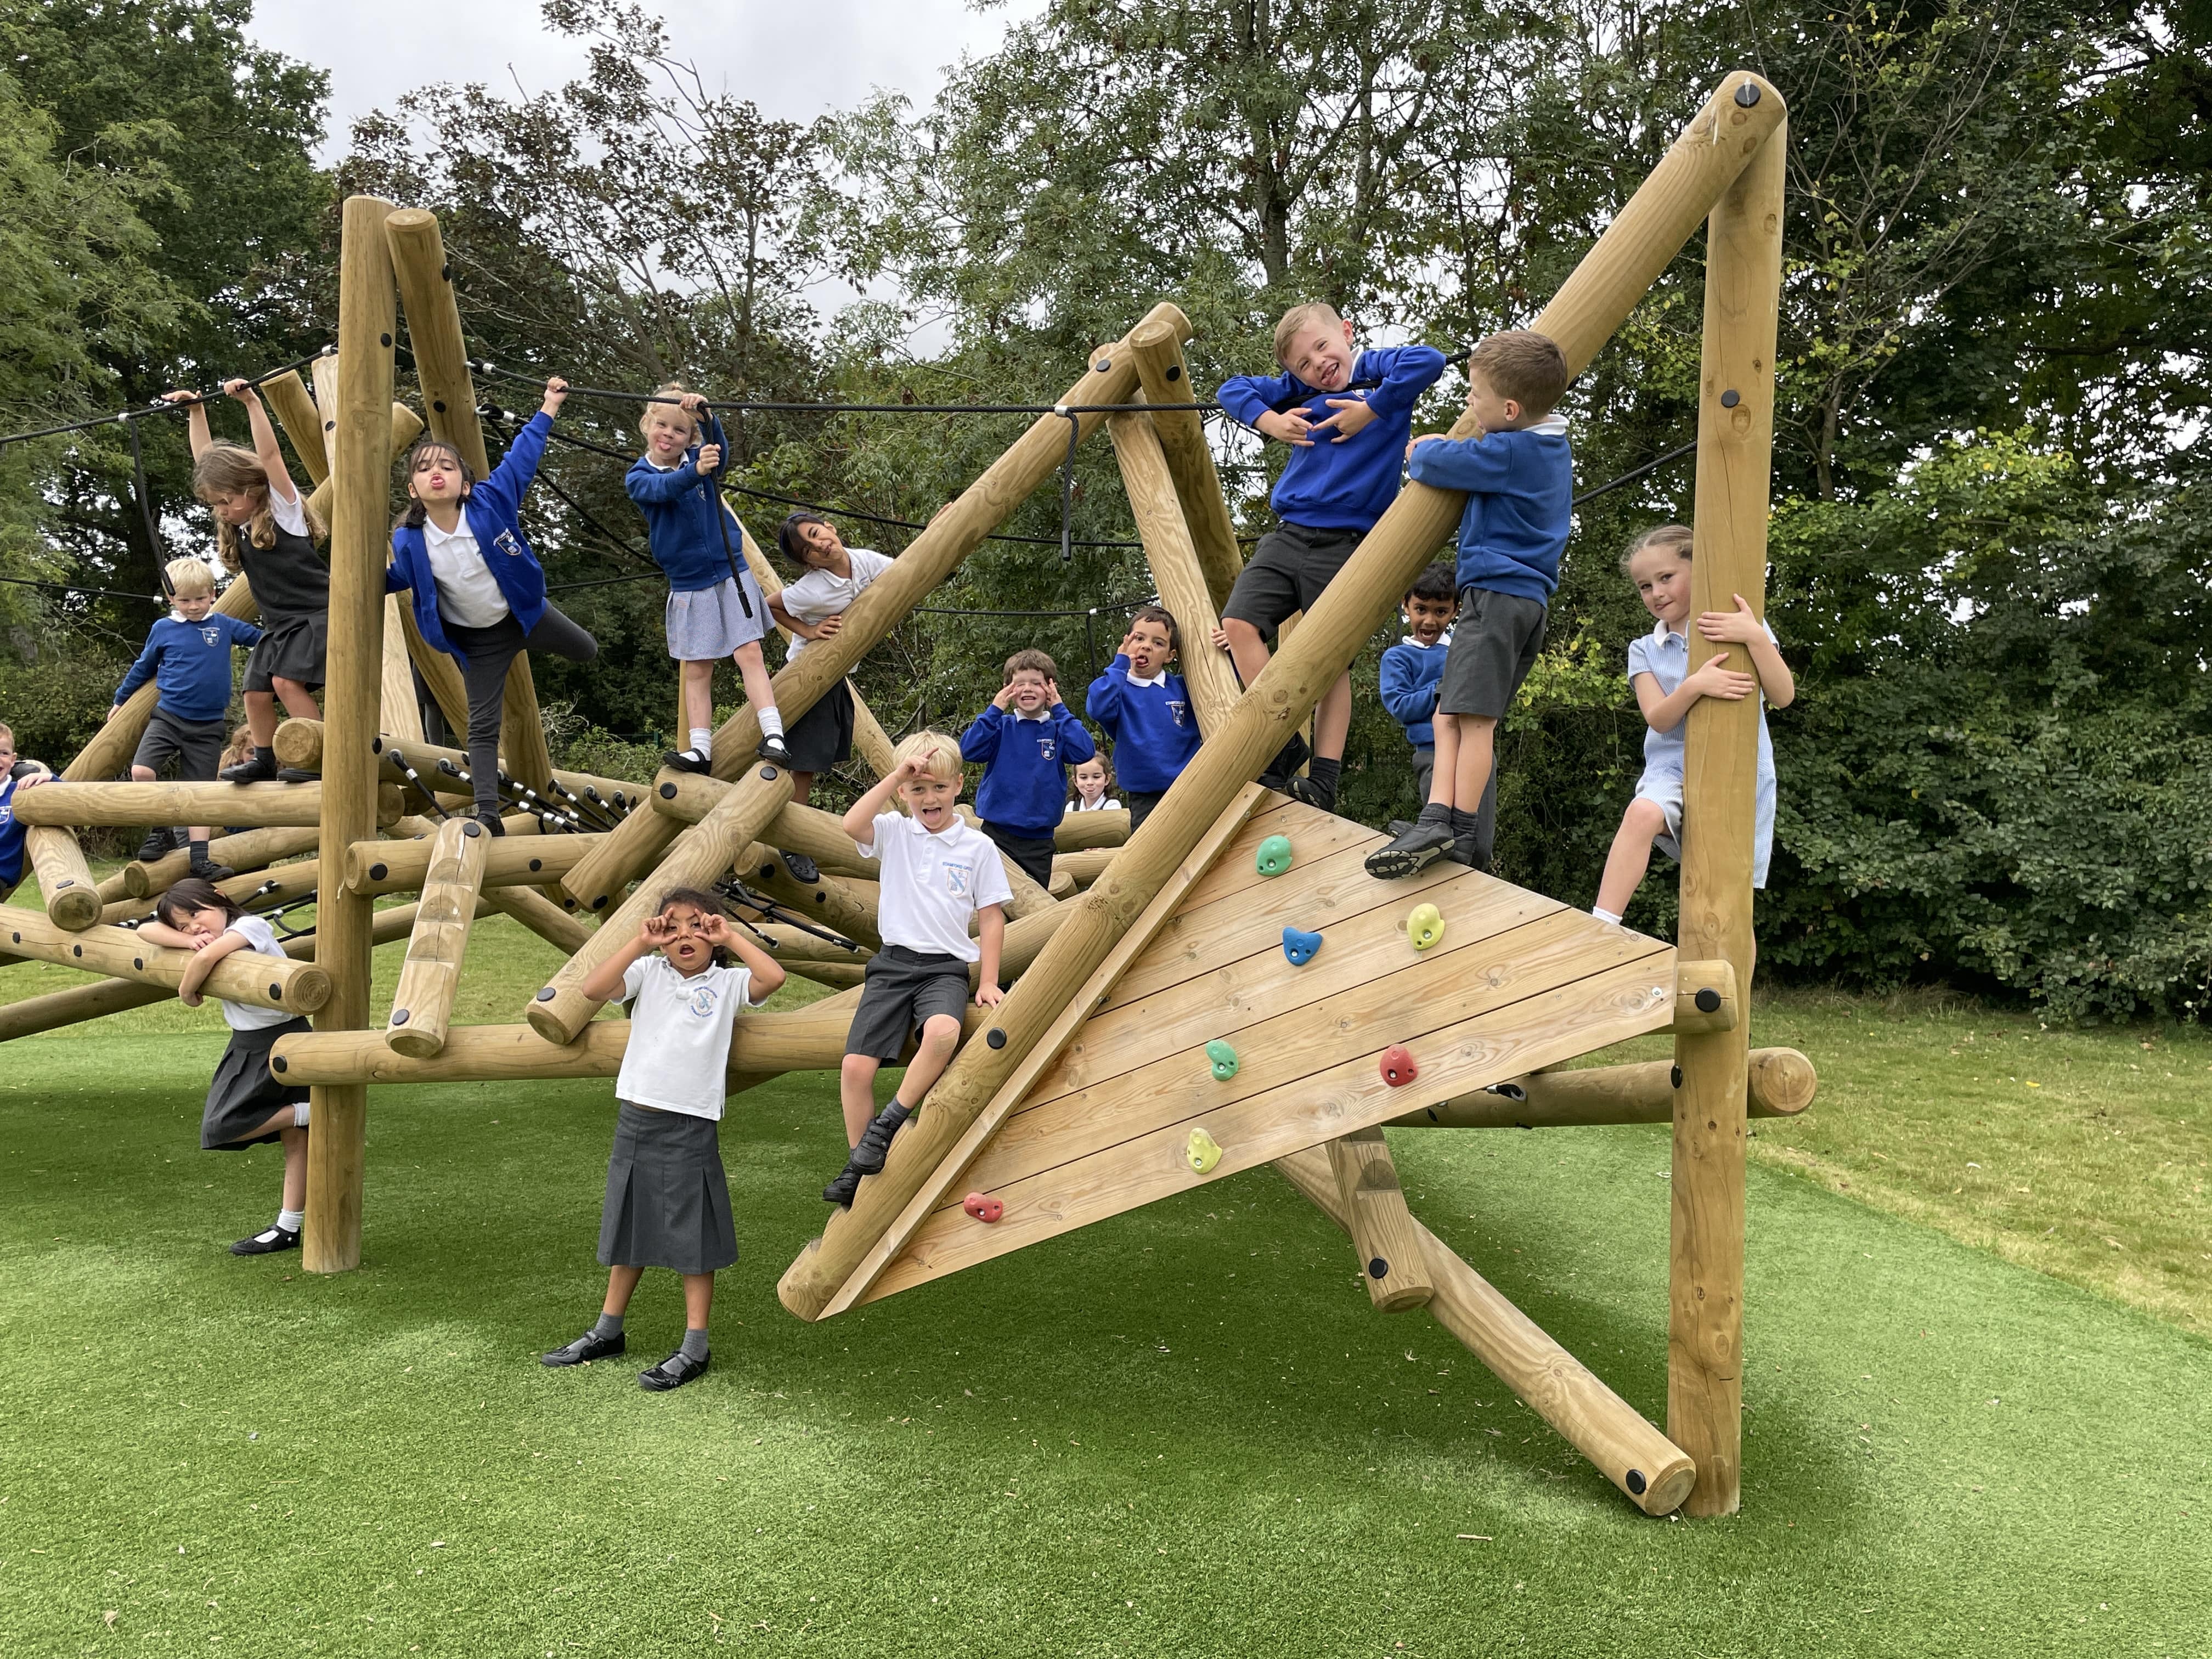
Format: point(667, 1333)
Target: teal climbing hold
point(1300, 946)
point(1274, 855)
point(1224, 1058)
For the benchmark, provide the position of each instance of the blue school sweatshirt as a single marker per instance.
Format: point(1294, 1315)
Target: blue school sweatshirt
point(492, 514)
point(11, 830)
point(1025, 762)
point(1521, 491)
point(679, 512)
point(1410, 673)
point(188, 663)
point(1153, 726)
point(1349, 485)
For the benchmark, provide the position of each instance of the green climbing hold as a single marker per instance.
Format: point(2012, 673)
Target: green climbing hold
point(1274, 855)
point(1224, 1058)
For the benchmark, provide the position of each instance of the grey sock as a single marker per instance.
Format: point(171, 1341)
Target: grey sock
point(1462, 824)
point(1436, 813)
point(694, 1344)
point(609, 1325)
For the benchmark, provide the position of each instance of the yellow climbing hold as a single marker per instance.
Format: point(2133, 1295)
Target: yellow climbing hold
point(1202, 1152)
point(1424, 927)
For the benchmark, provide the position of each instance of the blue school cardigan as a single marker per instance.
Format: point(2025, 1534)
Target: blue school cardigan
point(492, 514)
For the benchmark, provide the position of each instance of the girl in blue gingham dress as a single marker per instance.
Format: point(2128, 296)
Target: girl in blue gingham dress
point(716, 607)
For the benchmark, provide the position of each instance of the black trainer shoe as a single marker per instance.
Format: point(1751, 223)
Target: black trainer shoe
point(493, 823)
point(672, 1372)
point(1462, 852)
point(685, 760)
point(267, 1242)
point(875, 1142)
point(1424, 842)
point(259, 767)
point(297, 774)
point(1398, 826)
point(158, 844)
point(803, 871)
point(1317, 795)
point(209, 870)
point(772, 748)
point(839, 1192)
point(584, 1349)
point(1291, 757)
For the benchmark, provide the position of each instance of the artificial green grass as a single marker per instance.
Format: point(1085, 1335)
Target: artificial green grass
point(1182, 1431)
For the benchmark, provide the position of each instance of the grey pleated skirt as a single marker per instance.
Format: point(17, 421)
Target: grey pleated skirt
point(668, 1201)
point(710, 622)
point(245, 1093)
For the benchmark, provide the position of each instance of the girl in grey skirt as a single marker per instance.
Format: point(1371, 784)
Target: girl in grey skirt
point(668, 1201)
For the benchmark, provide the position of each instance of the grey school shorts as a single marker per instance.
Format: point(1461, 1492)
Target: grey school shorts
point(902, 989)
point(1288, 570)
point(196, 745)
point(1495, 643)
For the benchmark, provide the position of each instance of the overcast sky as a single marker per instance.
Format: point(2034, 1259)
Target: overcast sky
point(795, 58)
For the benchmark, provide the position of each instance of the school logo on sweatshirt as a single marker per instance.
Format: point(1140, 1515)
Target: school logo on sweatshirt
point(211, 634)
point(1048, 746)
point(508, 543)
point(1177, 710)
point(702, 999)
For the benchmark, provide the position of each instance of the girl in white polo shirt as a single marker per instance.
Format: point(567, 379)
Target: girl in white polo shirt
point(668, 1201)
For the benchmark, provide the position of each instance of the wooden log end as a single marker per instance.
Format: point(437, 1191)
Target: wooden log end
point(416, 1043)
point(797, 1290)
point(1783, 1081)
point(309, 990)
point(1665, 1489)
point(75, 908)
point(300, 742)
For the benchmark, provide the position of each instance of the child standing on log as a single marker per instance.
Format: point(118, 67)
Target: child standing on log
point(251, 492)
point(1658, 562)
point(1146, 711)
point(715, 608)
point(1408, 678)
point(479, 592)
point(1518, 474)
point(246, 1104)
point(1346, 414)
point(187, 656)
point(831, 576)
point(14, 774)
point(937, 876)
point(1026, 740)
point(687, 976)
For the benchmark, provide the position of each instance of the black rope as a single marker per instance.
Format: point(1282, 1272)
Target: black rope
point(73, 588)
point(125, 416)
point(146, 516)
point(1630, 477)
point(1068, 490)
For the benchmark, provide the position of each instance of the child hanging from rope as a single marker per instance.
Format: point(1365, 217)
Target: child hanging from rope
point(252, 491)
point(715, 608)
point(479, 592)
point(1658, 562)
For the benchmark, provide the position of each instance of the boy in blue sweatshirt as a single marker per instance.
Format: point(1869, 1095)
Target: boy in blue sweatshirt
point(1026, 741)
point(1145, 710)
point(14, 774)
point(1519, 475)
point(1346, 416)
point(187, 656)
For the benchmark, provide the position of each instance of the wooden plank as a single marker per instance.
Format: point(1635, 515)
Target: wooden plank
point(1608, 1007)
point(1385, 1237)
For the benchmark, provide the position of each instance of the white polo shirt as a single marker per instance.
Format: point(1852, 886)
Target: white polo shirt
point(467, 592)
point(932, 885)
point(261, 939)
point(817, 595)
point(680, 1035)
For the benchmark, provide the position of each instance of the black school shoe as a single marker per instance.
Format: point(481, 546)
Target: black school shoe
point(839, 1192)
point(209, 870)
point(267, 1242)
point(296, 774)
point(875, 1142)
point(804, 870)
point(493, 823)
point(774, 748)
point(1291, 757)
point(584, 1349)
point(1424, 842)
point(258, 768)
point(158, 844)
point(685, 760)
point(672, 1372)
point(1317, 795)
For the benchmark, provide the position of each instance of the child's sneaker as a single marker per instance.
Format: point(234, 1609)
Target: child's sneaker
point(1427, 840)
point(209, 870)
point(158, 845)
point(260, 766)
point(1291, 757)
point(803, 869)
point(1317, 795)
point(493, 823)
point(875, 1143)
point(267, 1242)
point(839, 1192)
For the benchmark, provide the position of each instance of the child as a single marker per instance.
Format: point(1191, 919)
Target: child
point(938, 875)
point(1025, 740)
point(14, 775)
point(479, 591)
point(1093, 788)
point(251, 490)
point(715, 608)
point(1146, 711)
point(187, 656)
point(247, 1105)
point(832, 575)
point(241, 747)
point(1519, 476)
point(1658, 562)
point(668, 1201)
point(1330, 495)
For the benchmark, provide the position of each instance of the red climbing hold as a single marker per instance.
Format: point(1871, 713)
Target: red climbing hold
point(1398, 1067)
point(983, 1207)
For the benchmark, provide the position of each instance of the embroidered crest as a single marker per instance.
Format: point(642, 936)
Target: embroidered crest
point(1048, 746)
point(212, 636)
point(508, 543)
point(702, 999)
point(1176, 709)
point(958, 878)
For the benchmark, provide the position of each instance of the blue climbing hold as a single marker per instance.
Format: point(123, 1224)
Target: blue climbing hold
point(1300, 946)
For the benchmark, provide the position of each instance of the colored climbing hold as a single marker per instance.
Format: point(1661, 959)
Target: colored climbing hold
point(1398, 1067)
point(1274, 855)
point(983, 1207)
point(1224, 1058)
point(1300, 946)
point(1424, 927)
point(1202, 1151)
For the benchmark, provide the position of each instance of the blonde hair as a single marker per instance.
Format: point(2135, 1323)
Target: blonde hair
point(241, 747)
point(1523, 365)
point(1676, 537)
point(670, 389)
point(939, 755)
point(189, 579)
point(228, 469)
point(1313, 314)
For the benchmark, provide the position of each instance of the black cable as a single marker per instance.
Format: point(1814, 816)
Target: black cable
point(146, 516)
point(126, 416)
point(73, 588)
point(1630, 477)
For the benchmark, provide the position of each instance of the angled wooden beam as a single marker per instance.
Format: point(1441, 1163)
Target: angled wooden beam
point(293, 411)
point(1165, 378)
point(1782, 1084)
point(423, 1001)
point(868, 735)
point(540, 914)
point(297, 988)
point(65, 884)
point(1184, 584)
point(400, 712)
point(249, 850)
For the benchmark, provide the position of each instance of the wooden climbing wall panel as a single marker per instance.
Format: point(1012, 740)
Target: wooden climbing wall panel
point(1518, 981)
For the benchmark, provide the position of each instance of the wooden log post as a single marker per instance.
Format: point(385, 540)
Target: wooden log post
point(297, 988)
point(399, 711)
point(1736, 464)
point(249, 850)
point(931, 557)
point(1384, 1235)
point(293, 411)
point(361, 528)
point(1091, 832)
point(65, 882)
point(1603, 288)
point(1083, 868)
point(1165, 378)
point(406, 426)
point(1782, 1084)
point(263, 805)
point(449, 397)
point(530, 906)
point(422, 1002)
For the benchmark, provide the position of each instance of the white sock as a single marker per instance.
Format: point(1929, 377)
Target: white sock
point(702, 742)
point(299, 1115)
point(1605, 916)
point(291, 1220)
point(771, 722)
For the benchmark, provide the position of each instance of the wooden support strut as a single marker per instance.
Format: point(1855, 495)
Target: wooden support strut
point(246, 851)
point(1783, 1084)
point(422, 1002)
point(1165, 378)
point(263, 805)
point(1384, 1235)
point(65, 882)
point(296, 988)
point(403, 867)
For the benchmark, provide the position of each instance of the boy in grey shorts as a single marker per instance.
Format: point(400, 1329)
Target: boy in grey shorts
point(938, 874)
point(1519, 475)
